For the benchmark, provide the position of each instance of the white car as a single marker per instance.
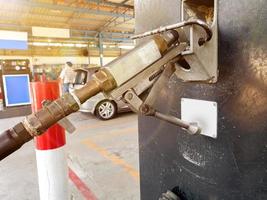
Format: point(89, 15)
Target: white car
point(98, 105)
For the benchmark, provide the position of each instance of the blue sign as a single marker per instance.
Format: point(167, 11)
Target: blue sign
point(13, 44)
point(17, 89)
point(13, 40)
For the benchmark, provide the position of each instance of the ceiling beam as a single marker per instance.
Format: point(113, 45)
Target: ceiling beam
point(40, 20)
point(125, 1)
point(113, 20)
point(7, 12)
point(31, 3)
point(55, 23)
point(111, 34)
point(109, 3)
point(6, 15)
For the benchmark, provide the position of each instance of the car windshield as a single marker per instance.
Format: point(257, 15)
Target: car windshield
point(84, 75)
point(81, 77)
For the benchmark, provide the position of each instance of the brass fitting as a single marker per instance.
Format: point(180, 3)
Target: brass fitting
point(105, 80)
point(161, 43)
point(102, 81)
point(39, 122)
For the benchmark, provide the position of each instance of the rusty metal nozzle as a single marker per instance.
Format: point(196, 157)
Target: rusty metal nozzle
point(37, 123)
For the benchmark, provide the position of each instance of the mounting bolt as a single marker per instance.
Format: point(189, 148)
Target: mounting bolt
point(201, 41)
point(144, 109)
point(129, 96)
point(147, 110)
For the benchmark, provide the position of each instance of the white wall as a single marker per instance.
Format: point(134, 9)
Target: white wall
point(37, 60)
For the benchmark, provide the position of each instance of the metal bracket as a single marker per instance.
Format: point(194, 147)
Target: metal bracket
point(133, 100)
point(200, 61)
point(137, 105)
point(202, 58)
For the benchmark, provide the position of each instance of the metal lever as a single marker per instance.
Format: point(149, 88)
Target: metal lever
point(65, 122)
point(146, 107)
point(138, 106)
point(191, 127)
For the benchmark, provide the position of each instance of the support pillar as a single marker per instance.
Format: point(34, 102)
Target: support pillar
point(101, 49)
point(50, 148)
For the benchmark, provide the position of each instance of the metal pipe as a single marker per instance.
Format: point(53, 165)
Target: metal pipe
point(191, 128)
point(101, 49)
point(38, 122)
point(12, 139)
point(172, 120)
point(198, 22)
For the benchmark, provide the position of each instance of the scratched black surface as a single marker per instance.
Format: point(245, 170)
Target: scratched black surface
point(234, 166)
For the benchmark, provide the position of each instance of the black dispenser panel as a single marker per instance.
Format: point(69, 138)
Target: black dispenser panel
point(233, 166)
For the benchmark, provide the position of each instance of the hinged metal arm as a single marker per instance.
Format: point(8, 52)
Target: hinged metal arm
point(146, 108)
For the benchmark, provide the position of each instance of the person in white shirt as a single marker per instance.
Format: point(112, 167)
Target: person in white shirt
point(67, 77)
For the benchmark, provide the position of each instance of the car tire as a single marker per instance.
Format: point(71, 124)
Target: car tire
point(106, 109)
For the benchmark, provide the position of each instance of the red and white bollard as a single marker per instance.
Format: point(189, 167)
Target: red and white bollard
point(50, 148)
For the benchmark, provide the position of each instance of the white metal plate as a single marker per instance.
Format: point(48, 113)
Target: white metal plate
point(204, 113)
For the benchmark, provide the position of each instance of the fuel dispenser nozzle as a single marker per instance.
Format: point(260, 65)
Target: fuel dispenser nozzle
point(135, 71)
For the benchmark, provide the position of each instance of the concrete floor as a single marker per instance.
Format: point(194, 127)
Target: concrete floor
point(103, 155)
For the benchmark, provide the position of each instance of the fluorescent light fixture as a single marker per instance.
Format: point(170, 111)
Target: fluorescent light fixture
point(55, 44)
point(81, 45)
point(50, 32)
point(56, 11)
point(68, 45)
point(41, 44)
point(126, 46)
